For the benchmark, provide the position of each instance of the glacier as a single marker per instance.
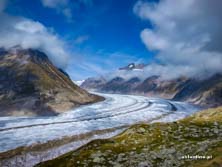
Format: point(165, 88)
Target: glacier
point(116, 111)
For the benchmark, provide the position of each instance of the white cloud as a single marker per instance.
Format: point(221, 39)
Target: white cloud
point(32, 34)
point(152, 40)
point(54, 3)
point(81, 39)
point(61, 6)
point(30, 27)
point(186, 34)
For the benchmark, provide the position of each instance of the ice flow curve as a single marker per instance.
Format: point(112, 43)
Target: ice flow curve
point(116, 110)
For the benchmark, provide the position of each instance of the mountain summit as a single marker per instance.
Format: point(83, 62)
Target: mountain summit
point(31, 85)
point(133, 66)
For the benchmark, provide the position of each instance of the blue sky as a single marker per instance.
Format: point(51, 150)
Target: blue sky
point(94, 37)
point(101, 36)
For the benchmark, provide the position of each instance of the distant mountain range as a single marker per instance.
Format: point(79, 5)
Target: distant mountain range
point(205, 92)
point(31, 85)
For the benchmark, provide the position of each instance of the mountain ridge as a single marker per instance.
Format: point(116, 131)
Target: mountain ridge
point(205, 92)
point(31, 85)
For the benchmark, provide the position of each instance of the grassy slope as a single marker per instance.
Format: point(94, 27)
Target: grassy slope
point(158, 144)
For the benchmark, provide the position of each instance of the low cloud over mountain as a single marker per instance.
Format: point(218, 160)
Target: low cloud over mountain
point(185, 34)
point(27, 33)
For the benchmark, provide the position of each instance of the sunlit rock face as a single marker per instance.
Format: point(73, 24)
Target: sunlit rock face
point(31, 85)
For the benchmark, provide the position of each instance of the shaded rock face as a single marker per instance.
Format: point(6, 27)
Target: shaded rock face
point(207, 92)
point(116, 85)
point(31, 85)
point(154, 86)
point(119, 85)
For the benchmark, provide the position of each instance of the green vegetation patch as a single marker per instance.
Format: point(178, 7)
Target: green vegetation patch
point(158, 144)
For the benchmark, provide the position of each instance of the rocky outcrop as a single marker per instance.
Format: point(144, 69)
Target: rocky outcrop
point(31, 85)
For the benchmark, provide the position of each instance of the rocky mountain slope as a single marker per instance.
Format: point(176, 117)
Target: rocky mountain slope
point(205, 92)
point(31, 85)
point(195, 141)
